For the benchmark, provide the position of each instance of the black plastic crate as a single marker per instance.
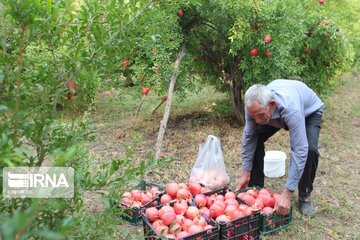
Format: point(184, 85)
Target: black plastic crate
point(270, 223)
point(273, 222)
point(151, 234)
point(245, 228)
point(133, 214)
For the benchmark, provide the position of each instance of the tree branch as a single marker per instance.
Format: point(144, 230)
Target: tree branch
point(19, 80)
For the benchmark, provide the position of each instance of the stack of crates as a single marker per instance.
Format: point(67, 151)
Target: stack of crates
point(249, 227)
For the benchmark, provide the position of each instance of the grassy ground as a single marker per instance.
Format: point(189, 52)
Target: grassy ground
point(336, 194)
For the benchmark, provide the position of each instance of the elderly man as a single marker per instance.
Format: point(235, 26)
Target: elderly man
point(293, 106)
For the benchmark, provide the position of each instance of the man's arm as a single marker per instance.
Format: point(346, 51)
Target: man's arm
point(249, 141)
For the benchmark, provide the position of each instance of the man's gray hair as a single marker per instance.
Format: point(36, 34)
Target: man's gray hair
point(260, 93)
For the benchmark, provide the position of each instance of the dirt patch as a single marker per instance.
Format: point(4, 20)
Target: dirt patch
point(92, 202)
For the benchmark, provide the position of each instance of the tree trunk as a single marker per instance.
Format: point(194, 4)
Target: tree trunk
point(236, 88)
point(165, 119)
point(235, 102)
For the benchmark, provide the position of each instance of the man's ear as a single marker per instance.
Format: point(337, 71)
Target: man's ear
point(272, 103)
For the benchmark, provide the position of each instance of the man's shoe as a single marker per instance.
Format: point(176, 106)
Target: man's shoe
point(306, 207)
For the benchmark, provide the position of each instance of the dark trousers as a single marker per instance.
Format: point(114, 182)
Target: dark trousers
point(305, 186)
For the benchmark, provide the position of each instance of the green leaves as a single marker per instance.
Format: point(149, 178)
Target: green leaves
point(3, 107)
point(20, 220)
point(10, 156)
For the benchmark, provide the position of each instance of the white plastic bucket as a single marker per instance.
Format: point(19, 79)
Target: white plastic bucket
point(274, 164)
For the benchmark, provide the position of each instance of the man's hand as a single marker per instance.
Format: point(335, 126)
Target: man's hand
point(243, 180)
point(283, 203)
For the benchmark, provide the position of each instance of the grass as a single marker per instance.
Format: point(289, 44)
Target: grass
point(336, 191)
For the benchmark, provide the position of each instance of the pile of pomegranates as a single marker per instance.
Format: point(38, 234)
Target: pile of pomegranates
point(259, 199)
point(139, 198)
point(222, 208)
point(211, 179)
point(177, 220)
point(177, 191)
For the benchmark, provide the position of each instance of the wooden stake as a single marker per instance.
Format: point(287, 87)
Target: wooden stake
point(165, 119)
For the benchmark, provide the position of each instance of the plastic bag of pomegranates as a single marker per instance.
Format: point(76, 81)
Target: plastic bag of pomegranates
point(209, 169)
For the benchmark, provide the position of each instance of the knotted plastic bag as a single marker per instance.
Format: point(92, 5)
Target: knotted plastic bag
point(209, 168)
